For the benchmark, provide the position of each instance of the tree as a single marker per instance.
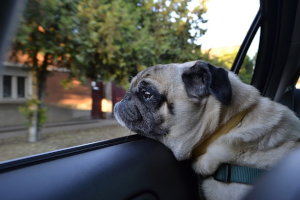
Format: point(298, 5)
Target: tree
point(111, 40)
point(246, 71)
point(44, 36)
point(226, 61)
point(118, 38)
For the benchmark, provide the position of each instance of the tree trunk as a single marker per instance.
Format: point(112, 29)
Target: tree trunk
point(42, 77)
point(32, 131)
point(39, 93)
point(33, 136)
point(41, 90)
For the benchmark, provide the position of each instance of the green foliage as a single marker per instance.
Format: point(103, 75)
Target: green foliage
point(246, 70)
point(46, 28)
point(116, 39)
point(113, 40)
point(226, 61)
point(215, 60)
point(108, 40)
point(66, 83)
point(29, 110)
point(44, 37)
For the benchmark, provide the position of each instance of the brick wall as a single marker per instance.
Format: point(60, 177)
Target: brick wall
point(77, 96)
point(117, 94)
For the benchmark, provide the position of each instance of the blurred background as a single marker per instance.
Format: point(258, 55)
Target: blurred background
point(71, 61)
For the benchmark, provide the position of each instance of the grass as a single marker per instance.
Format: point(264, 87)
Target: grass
point(19, 146)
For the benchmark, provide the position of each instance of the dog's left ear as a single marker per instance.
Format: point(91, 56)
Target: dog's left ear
point(203, 79)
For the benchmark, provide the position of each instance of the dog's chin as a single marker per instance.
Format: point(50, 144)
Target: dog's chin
point(133, 120)
point(141, 128)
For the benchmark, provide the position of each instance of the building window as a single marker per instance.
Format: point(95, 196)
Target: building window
point(21, 87)
point(7, 86)
point(13, 87)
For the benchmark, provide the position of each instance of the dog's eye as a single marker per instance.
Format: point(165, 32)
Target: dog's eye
point(146, 95)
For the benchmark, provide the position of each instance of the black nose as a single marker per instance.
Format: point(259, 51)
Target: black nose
point(127, 96)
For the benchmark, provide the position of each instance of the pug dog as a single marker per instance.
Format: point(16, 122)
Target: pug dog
point(186, 107)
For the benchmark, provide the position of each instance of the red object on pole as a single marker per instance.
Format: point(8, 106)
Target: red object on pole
point(97, 95)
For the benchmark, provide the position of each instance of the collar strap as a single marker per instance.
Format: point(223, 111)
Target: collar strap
point(238, 174)
point(233, 122)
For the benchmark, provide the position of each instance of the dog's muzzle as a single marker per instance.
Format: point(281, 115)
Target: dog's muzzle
point(126, 110)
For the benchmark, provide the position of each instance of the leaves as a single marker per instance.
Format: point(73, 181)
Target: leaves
point(46, 27)
point(119, 38)
point(32, 105)
point(113, 39)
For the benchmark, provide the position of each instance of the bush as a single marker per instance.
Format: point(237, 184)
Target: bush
point(28, 111)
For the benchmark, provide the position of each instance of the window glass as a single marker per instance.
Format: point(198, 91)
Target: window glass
point(21, 87)
point(7, 86)
point(247, 68)
point(298, 84)
point(71, 61)
point(225, 34)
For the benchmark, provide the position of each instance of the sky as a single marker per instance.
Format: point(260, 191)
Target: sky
point(228, 22)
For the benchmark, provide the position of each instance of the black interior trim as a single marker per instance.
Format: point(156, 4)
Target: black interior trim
point(145, 196)
point(277, 24)
point(292, 67)
point(121, 172)
point(10, 12)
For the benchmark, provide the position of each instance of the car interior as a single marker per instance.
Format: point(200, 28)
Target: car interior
point(138, 168)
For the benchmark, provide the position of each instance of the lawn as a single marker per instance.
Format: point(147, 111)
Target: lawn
point(19, 147)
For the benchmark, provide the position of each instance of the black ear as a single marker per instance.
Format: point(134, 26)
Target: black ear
point(203, 79)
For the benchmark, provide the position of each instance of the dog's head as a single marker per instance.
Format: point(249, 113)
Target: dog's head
point(171, 103)
point(161, 92)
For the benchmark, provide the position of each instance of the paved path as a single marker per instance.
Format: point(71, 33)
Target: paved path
point(9, 132)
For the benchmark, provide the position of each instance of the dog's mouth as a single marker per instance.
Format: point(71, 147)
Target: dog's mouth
point(126, 115)
point(133, 114)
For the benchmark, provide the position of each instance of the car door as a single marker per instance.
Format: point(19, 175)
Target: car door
point(135, 167)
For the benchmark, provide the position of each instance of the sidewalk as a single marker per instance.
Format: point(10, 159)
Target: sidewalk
point(9, 132)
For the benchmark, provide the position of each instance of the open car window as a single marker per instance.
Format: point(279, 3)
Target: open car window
point(66, 68)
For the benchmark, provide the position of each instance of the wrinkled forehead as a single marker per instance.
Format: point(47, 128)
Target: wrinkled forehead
point(161, 74)
point(153, 73)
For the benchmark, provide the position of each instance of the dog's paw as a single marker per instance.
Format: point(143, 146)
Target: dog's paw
point(216, 154)
point(205, 166)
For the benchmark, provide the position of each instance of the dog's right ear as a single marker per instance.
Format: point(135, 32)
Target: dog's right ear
point(203, 79)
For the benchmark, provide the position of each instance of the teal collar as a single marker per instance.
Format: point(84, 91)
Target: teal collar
point(238, 174)
point(232, 174)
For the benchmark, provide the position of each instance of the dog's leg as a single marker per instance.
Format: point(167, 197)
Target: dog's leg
point(215, 190)
point(217, 153)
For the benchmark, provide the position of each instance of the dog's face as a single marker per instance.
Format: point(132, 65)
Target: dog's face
point(164, 99)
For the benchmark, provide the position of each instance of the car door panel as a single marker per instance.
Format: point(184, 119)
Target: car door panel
point(142, 168)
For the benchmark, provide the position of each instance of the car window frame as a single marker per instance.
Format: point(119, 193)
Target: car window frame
point(29, 160)
point(238, 61)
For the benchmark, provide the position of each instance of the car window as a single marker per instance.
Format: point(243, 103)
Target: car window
point(247, 68)
point(225, 35)
point(70, 62)
point(298, 84)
